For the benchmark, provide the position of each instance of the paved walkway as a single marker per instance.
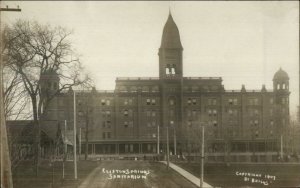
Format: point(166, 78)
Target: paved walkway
point(187, 175)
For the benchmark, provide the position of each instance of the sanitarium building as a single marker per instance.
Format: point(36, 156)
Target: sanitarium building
point(242, 124)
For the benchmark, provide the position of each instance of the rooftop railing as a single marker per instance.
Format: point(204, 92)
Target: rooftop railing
point(202, 78)
point(137, 78)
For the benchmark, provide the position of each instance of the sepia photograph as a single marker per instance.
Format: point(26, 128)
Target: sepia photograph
point(149, 94)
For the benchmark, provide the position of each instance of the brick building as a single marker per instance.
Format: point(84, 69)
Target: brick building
point(127, 119)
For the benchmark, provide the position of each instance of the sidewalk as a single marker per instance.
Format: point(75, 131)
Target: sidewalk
point(187, 175)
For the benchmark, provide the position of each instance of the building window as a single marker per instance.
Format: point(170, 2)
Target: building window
point(271, 112)
point(107, 113)
point(148, 101)
point(148, 113)
point(189, 113)
point(153, 124)
point(103, 124)
point(103, 135)
point(130, 101)
point(108, 102)
point(125, 124)
point(256, 111)
point(171, 113)
point(194, 101)
point(133, 89)
point(271, 122)
point(189, 101)
point(126, 113)
point(171, 102)
point(189, 123)
point(212, 101)
point(102, 102)
point(153, 113)
point(215, 112)
point(167, 70)
point(256, 122)
point(194, 113)
point(108, 124)
point(209, 112)
point(155, 89)
point(108, 135)
point(253, 101)
point(145, 89)
point(148, 124)
point(125, 102)
point(123, 89)
point(153, 101)
point(130, 124)
point(233, 101)
point(215, 123)
point(195, 88)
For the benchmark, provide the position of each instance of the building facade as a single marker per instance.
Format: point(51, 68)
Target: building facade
point(136, 115)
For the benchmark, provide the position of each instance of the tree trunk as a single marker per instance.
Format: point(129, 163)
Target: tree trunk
point(37, 141)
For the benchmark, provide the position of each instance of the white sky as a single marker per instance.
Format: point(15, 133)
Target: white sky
point(243, 42)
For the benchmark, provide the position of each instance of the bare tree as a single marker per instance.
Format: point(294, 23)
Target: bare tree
point(86, 117)
point(37, 50)
point(15, 96)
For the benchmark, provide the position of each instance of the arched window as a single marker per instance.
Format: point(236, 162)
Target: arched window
point(172, 70)
point(283, 86)
point(278, 86)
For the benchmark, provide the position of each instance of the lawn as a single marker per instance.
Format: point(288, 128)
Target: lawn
point(251, 175)
point(24, 174)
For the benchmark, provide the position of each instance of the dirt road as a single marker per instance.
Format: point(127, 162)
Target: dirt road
point(134, 174)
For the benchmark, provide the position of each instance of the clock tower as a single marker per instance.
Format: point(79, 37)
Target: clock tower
point(170, 74)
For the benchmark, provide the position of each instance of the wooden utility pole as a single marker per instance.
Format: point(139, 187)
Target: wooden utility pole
point(158, 139)
point(174, 131)
point(65, 149)
point(74, 136)
point(5, 164)
point(168, 150)
point(202, 158)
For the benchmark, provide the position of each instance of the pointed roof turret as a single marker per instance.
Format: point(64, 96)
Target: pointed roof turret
point(170, 37)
